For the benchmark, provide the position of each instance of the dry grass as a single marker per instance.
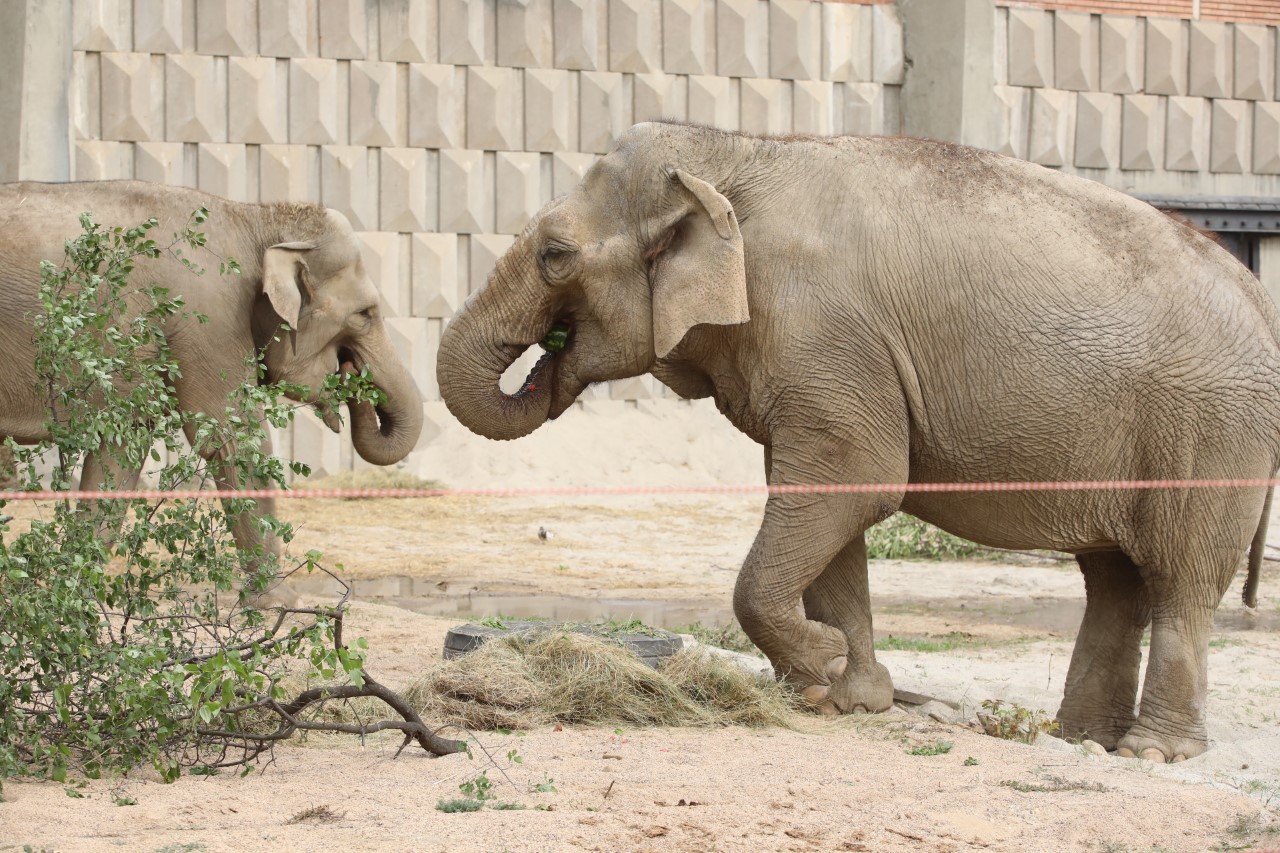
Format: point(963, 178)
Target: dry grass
point(547, 677)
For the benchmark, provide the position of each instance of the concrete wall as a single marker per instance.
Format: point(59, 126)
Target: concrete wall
point(1147, 105)
point(439, 126)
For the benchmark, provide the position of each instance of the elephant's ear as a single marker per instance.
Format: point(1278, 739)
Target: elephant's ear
point(697, 270)
point(283, 281)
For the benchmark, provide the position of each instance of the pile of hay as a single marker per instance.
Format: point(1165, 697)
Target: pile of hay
point(544, 677)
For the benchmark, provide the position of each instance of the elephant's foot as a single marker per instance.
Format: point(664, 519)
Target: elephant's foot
point(1106, 727)
point(279, 594)
point(1143, 742)
point(822, 659)
point(867, 690)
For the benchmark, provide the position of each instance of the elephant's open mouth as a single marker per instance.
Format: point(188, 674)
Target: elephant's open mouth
point(543, 373)
point(350, 363)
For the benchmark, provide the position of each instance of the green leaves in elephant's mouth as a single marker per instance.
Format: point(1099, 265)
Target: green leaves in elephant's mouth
point(554, 342)
point(558, 338)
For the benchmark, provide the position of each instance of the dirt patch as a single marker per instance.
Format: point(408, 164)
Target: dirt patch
point(848, 785)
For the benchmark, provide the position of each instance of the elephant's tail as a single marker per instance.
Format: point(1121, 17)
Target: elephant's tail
point(1257, 551)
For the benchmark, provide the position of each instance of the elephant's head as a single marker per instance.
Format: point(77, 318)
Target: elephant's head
point(318, 286)
point(641, 252)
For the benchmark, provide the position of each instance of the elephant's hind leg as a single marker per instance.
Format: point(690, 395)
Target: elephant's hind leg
point(1102, 681)
point(1190, 549)
point(840, 597)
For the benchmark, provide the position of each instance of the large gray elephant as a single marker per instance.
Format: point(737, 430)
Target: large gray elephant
point(300, 264)
point(877, 310)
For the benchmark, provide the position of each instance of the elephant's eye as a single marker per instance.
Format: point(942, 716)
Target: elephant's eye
point(558, 260)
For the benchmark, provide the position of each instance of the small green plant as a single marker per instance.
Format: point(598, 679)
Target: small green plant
point(124, 801)
point(479, 787)
point(455, 806)
point(546, 786)
point(496, 622)
point(904, 537)
point(938, 747)
point(730, 636)
point(1011, 721)
point(316, 814)
point(970, 762)
point(945, 643)
point(1052, 785)
point(1252, 826)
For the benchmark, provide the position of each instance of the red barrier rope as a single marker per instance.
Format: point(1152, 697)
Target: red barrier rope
point(573, 491)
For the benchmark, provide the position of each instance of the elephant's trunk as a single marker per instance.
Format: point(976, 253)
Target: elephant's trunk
point(484, 339)
point(385, 434)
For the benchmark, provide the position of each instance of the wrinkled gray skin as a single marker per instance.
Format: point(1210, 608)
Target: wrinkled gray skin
point(889, 310)
point(300, 264)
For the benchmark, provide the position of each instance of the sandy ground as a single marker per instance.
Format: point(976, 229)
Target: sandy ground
point(845, 786)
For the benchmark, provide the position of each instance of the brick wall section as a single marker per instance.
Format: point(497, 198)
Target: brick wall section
point(440, 126)
point(1239, 11)
point(1156, 103)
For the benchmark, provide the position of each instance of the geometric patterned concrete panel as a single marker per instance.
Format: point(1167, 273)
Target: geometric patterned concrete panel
point(550, 110)
point(813, 107)
point(1211, 66)
point(1166, 72)
point(1123, 54)
point(579, 34)
point(635, 39)
point(846, 42)
point(714, 101)
point(1266, 138)
point(1097, 140)
point(524, 34)
point(659, 96)
point(1229, 136)
point(439, 127)
point(1141, 132)
point(1165, 105)
point(1075, 50)
point(688, 37)
point(795, 39)
point(1011, 124)
point(259, 111)
point(1186, 136)
point(1052, 115)
point(195, 98)
point(230, 27)
point(887, 57)
point(1031, 47)
point(742, 38)
point(766, 106)
point(1255, 62)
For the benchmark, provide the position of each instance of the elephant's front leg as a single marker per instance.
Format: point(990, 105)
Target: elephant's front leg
point(804, 536)
point(101, 471)
point(841, 598)
point(258, 546)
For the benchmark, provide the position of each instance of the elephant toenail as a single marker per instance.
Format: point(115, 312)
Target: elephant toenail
point(1179, 757)
point(815, 693)
point(1125, 752)
point(836, 667)
point(1153, 755)
point(828, 708)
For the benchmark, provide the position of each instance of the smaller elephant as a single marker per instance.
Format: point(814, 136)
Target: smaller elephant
point(300, 265)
